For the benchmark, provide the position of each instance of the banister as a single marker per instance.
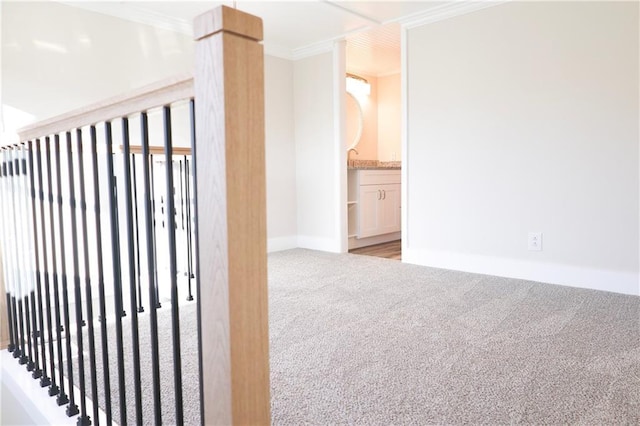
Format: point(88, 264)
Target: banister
point(227, 120)
point(153, 95)
point(158, 150)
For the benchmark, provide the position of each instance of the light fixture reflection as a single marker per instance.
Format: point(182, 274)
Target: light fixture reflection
point(358, 86)
point(52, 47)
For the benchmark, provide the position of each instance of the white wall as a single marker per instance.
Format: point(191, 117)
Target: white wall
point(280, 154)
point(524, 117)
point(56, 58)
point(316, 173)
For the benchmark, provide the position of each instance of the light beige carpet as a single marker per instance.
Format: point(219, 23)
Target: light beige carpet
point(363, 340)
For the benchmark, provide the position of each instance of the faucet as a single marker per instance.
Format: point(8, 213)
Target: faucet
point(349, 152)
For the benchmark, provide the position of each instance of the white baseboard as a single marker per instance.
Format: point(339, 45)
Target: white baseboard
point(369, 241)
point(282, 243)
point(319, 243)
point(572, 276)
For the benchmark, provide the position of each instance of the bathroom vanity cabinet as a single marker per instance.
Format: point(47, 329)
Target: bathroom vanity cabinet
point(374, 205)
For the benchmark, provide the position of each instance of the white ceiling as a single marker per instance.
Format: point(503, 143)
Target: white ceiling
point(294, 29)
point(374, 52)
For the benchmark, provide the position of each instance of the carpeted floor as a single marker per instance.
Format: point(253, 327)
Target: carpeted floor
point(363, 340)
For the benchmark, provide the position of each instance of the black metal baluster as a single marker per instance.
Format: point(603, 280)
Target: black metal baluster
point(27, 311)
point(77, 292)
point(181, 194)
point(155, 248)
point(187, 185)
point(62, 397)
point(117, 276)
point(184, 197)
point(25, 233)
point(14, 171)
point(87, 279)
point(72, 409)
point(4, 197)
point(45, 380)
point(103, 308)
point(135, 212)
point(192, 116)
point(171, 228)
point(151, 267)
point(132, 270)
point(37, 333)
point(116, 203)
point(162, 200)
point(12, 251)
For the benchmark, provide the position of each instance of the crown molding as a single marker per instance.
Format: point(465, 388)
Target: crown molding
point(131, 12)
point(352, 12)
point(359, 71)
point(389, 73)
point(278, 51)
point(446, 11)
point(312, 50)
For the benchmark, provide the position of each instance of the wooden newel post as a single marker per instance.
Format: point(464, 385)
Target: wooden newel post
point(231, 217)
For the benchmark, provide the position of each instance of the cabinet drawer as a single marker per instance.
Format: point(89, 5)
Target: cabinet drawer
point(379, 177)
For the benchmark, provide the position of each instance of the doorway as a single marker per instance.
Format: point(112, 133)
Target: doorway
point(373, 116)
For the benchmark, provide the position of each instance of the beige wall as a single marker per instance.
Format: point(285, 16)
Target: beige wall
point(280, 154)
point(56, 58)
point(368, 145)
point(389, 118)
point(316, 174)
point(524, 118)
point(381, 112)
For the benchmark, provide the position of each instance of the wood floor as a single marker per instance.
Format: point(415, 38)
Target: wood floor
point(390, 250)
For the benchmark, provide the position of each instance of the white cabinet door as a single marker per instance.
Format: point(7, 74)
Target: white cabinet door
point(389, 208)
point(369, 217)
point(379, 207)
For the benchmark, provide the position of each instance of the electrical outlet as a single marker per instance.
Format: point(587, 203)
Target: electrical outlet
point(534, 241)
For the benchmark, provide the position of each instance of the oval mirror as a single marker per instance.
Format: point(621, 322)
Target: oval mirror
point(355, 121)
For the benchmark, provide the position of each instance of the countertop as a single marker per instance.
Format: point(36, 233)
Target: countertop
point(372, 164)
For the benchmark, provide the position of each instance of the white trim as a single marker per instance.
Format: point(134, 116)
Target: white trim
point(369, 241)
point(376, 75)
point(277, 50)
point(352, 12)
point(639, 174)
point(318, 243)
point(340, 142)
point(404, 138)
point(131, 12)
point(390, 73)
point(446, 11)
point(312, 50)
point(282, 243)
point(572, 276)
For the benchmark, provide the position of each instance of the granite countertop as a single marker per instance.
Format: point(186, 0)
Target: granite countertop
point(372, 164)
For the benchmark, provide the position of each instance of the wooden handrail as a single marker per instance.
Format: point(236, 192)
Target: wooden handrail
point(157, 150)
point(154, 95)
